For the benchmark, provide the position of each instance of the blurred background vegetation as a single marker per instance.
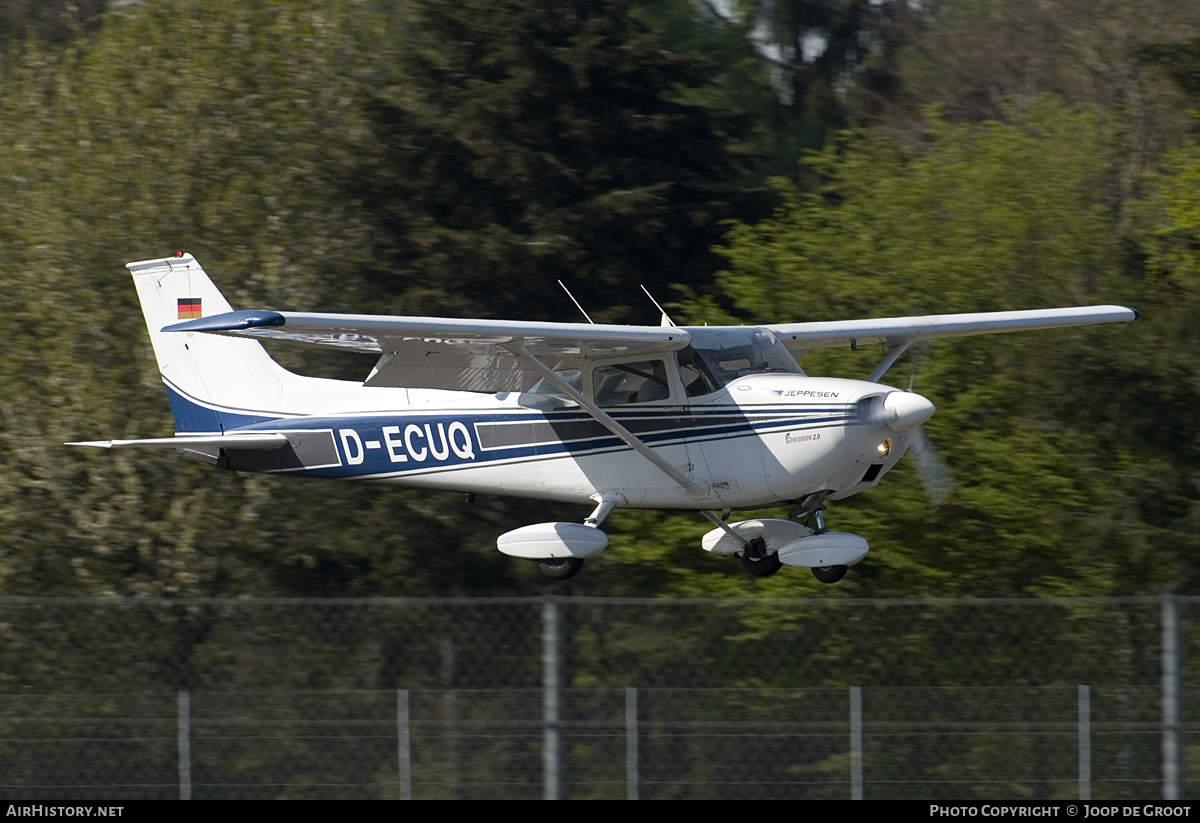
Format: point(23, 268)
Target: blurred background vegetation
point(749, 161)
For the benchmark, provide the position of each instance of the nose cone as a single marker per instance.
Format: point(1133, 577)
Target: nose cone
point(904, 410)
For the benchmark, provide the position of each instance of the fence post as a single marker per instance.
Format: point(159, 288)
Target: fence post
point(553, 670)
point(404, 744)
point(1085, 742)
point(1172, 700)
point(856, 752)
point(184, 736)
point(631, 743)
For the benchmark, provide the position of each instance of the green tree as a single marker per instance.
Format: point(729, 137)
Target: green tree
point(224, 129)
point(975, 58)
point(230, 130)
point(991, 217)
point(52, 20)
point(524, 143)
point(816, 47)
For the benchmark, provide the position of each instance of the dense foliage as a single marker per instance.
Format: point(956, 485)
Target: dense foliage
point(458, 158)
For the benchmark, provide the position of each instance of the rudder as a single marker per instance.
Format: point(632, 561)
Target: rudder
point(214, 382)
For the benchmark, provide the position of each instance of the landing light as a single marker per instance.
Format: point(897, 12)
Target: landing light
point(884, 448)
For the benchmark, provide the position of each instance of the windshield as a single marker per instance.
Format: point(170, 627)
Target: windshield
point(717, 356)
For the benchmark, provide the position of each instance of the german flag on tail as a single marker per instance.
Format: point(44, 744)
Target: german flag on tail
point(189, 308)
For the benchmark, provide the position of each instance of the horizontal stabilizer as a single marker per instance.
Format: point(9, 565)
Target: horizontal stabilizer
point(257, 440)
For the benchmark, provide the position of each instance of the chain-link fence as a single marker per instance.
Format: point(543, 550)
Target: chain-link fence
point(605, 698)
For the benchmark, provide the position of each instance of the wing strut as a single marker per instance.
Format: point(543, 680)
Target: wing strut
point(894, 351)
point(694, 490)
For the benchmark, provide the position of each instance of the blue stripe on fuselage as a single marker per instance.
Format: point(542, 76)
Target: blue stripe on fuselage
point(192, 416)
point(409, 442)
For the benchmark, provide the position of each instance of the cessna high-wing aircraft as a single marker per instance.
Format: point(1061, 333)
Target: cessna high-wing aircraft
point(708, 419)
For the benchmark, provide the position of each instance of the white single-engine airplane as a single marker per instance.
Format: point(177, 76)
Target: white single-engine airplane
point(706, 419)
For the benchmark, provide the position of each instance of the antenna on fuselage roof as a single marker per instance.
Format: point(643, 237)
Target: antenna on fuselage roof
point(666, 321)
point(576, 302)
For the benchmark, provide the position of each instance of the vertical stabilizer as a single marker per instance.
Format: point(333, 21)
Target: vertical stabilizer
point(214, 383)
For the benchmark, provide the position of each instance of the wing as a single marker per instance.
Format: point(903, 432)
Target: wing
point(893, 331)
point(445, 353)
point(480, 355)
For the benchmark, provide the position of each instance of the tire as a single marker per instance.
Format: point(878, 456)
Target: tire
point(829, 574)
point(561, 568)
point(761, 566)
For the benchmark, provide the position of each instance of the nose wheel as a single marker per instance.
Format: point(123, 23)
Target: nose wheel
point(766, 545)
point(810, 510)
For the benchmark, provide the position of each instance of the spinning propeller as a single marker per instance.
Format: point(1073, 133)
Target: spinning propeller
point(907, 411)
point(936, 476)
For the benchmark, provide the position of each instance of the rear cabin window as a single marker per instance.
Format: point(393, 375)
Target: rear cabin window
point(620, 384)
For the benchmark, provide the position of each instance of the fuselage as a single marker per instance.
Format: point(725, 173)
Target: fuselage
point(760, 440)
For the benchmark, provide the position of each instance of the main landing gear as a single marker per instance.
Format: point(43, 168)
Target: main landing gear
point(559, 548)
point(758, 561)
point(564, 568)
